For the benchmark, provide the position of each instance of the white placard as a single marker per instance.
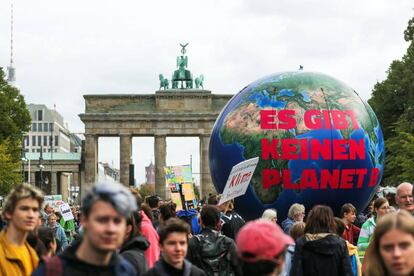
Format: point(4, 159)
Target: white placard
point(239, 179)
point(66, 212)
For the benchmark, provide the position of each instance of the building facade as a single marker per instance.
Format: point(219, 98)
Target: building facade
point(48, 132)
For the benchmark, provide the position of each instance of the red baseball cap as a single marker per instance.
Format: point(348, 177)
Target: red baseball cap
point(261, 240)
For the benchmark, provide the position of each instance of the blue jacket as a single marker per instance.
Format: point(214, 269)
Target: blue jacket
point(60, 237)
point(287, 224)
point(192, 217)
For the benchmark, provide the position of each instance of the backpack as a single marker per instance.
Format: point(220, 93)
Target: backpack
point(214, 255)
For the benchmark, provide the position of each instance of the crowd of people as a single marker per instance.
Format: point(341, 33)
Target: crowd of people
point(116, 232)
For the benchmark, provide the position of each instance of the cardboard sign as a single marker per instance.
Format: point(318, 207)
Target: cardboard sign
point(54, 200)
point(188, 191)
point(66, 212)
point(239, 179)
point(176, 198)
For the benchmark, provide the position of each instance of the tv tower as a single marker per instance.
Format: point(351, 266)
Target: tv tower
point(11, 71)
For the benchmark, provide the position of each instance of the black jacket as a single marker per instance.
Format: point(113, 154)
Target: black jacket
point(194, 249)
point(72, 266)
point(162, 268)
point(134, 252)
point(231, 223)
point(321, 254)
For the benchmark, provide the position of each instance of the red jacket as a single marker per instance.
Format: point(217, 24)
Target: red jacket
point(153, 252)
point(351, 234)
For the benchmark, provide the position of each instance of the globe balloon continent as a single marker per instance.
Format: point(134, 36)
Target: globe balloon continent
point(317, 141)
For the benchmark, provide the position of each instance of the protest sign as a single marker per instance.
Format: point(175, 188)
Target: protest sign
point(239, 179)
point(54, 200)
point(66, 212)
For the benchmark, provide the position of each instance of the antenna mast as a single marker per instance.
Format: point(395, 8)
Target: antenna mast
point(11, 71)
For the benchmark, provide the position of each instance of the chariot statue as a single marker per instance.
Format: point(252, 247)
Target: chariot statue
point(182, 78)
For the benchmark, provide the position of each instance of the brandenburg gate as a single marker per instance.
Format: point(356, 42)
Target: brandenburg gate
point(180, 111)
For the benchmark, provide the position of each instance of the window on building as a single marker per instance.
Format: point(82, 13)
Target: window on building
point(27, 150)
point(39, 140)
point(45, 140)
point(55, 150)
point(51, 140)
point(38, 150)
point(40, 127)
point(56, 140)
point(51, 126)
point(33, 140)
point(26, 140)
point(40, 115)
point(34, 127)
point(33, 150)
point(45, 126)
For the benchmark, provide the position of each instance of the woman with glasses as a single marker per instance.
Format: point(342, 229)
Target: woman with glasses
point(381, 207)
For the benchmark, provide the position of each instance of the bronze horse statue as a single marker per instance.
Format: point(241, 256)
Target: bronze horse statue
point(164, 83)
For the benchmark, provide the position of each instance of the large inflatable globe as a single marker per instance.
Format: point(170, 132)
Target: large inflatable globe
point(317, 141)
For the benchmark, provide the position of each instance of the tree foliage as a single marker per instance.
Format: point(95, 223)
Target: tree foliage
point(393, 102)
point(9, 169)
point(14, 122)
point(146, 190)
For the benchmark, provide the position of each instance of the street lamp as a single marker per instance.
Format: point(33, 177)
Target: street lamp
point(23, 158)
point(46, 182)
point(41, 167)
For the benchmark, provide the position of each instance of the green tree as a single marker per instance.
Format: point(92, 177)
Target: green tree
point(146, 190)
point(393, 102)
point(9, 170)
point(14, 122)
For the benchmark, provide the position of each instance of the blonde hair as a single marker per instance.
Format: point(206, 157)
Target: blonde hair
point(402, 221)
point(21, 191)
point(269, 214)
point(295, 209)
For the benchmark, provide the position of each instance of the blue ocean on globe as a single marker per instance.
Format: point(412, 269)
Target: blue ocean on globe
point(237, 135)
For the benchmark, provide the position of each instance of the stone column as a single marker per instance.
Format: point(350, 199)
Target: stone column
point(75, 179)
point(160, 152)
point(33, 178)
point(91, 162)
point(206, 182)
point(54, 184)
point(64, 183)
point(125, 152)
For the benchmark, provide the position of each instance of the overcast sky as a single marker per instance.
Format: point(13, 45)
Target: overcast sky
point(65, 49)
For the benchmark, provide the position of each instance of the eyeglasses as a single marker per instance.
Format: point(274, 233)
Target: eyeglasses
point(406, 197)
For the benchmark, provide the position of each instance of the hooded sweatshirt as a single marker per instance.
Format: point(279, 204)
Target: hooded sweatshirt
point(134, 252)
point(321, 254)
point(73, 266)
point(153, 252)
